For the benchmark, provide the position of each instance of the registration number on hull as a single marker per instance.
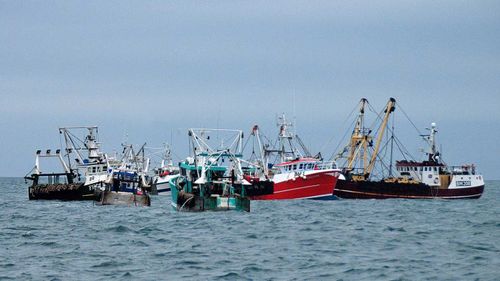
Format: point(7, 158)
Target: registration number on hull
point(464, 183)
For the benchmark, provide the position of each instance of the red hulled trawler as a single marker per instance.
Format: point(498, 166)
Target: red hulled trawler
point(297, 175)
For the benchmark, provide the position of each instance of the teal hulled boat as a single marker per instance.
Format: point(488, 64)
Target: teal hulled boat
point(213, 191)
point(213, 179)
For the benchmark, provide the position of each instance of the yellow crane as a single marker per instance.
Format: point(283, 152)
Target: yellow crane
point(390, 107)
point(361, 139)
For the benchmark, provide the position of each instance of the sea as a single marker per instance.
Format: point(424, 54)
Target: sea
point(393, 239)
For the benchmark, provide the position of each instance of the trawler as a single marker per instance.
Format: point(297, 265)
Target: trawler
point(297, 174)
point(55, 185)
point(127, 182)
point(212, 178)
point(105, 179)
point(164, 173)
point(427, 179)
point(68, 185)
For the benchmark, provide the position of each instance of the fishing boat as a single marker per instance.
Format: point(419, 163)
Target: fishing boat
point(297, 175)
point(212, 178)
point(68, 184)
point(95, 165)
point(55, 185)
point(163, 174)
point(427, 179)
point(128, 184)
point(303, 178)
point(126, 189)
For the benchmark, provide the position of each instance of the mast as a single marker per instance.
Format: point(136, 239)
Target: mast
point(388, 110)
point(262, 150)
point(359, 138)
point(284, 137)
point(433, 153)
point(90, 143)
point(392, 147)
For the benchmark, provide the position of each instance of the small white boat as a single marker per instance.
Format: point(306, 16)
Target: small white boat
point(166, 172)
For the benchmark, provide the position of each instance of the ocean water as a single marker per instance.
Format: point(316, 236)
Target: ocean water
point(277, 240)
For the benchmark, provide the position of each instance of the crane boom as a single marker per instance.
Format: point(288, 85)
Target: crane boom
point(391, 106)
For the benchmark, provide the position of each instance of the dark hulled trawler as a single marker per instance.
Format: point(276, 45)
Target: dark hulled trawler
point(430, 178)
point(68, 184)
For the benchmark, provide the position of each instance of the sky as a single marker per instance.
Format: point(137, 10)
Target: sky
point(145, 71)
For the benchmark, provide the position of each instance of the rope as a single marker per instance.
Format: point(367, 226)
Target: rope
point(185, 202)
point(406, 115)
point(341, 141)
point(343, 137)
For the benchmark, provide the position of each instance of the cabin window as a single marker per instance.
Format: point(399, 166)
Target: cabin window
point(294, 166)
point(435, 169)
point(310, 166)
point(301, 166)
point(93, 169)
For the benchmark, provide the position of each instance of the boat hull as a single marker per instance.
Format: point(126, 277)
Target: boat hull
point(160, 188)
point(188, 202)
point(383, 190)
point(65, 192)
point(124, 199)
point(315, 185)
point(161, 185)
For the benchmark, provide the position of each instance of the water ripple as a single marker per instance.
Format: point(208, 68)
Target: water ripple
point(287, 240)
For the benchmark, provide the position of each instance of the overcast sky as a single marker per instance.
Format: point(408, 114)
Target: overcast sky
point(145, 71)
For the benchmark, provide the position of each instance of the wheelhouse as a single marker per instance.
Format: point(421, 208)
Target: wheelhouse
point(304, 164)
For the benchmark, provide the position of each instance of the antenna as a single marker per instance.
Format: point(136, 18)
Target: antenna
point(125, 136)
point(294, 112)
